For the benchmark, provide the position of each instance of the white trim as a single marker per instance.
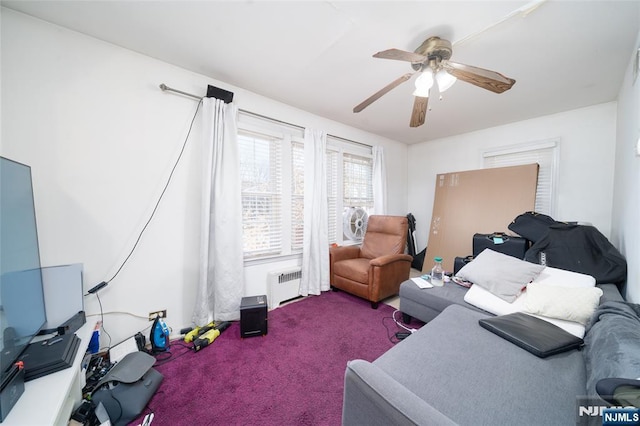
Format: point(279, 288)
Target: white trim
point(522, 147)
point(261, 124)
point(271, 259)
point(352, 148)
point(267, 132)
point(250, 128)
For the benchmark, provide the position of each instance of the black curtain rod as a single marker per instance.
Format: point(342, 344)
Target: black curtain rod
point(166, 88)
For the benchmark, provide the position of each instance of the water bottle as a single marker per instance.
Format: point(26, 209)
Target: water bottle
point(437, 273)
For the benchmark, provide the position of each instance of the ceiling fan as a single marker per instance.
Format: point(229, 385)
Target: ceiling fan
point(431, 62)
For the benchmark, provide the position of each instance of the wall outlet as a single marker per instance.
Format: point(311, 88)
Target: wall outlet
point(154, 314)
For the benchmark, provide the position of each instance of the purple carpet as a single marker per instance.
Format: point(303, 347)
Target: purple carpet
point(292, 376)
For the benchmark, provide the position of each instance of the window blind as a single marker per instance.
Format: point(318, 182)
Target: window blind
point(357, 178)
point(260, 172)
point(545, 154)
point(332, 194)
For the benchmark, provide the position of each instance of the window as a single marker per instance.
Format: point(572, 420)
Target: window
point(261, 177)
point(357, 181)
point(349, 183)
point(545, 153)
point(357, 177)
point(272, 173)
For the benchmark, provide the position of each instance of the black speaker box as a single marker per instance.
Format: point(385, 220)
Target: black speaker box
point(253, 316)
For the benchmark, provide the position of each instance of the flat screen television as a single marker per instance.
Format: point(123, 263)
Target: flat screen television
point(22, 309)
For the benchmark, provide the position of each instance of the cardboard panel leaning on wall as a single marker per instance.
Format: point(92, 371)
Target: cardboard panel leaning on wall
point(476, 201)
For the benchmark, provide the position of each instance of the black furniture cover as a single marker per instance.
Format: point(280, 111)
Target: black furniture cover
point(580, 248)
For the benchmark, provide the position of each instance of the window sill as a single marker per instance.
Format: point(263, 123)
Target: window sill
point(284, 257)
point(272, 259)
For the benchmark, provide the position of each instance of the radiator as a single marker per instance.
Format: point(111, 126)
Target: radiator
point(283, 285)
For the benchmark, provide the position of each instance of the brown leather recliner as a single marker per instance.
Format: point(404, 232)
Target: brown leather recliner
point(375, 270)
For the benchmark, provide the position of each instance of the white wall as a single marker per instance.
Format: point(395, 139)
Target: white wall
point(101, 138)
point(626, 199)
point(585, 179)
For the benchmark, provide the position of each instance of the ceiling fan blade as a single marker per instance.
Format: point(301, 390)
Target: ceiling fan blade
point(480, 77)
point(419, 111)
point(382, 92)
point(400, 55)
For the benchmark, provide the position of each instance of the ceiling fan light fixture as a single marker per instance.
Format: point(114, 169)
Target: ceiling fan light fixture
point(424, 82)
point(445, 80)
point(421, 93)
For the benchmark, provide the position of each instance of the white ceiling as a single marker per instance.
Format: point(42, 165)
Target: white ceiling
point(317, 55)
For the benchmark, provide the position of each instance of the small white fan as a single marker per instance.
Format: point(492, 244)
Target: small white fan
point(354, 223)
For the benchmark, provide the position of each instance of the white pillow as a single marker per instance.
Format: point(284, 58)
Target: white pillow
point(564, 278)
point(481, 298)
point(572, 304)
point(503, 275)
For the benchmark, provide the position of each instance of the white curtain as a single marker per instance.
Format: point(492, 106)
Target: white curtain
point(315, 248)
point(379, 181)
point(221, 283)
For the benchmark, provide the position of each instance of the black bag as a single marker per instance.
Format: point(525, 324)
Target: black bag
point(418, 260)
point(125, 390)
point(411, 240)
point(580, 248)
point(531, 225)
point(500, 242)
point(459, 262)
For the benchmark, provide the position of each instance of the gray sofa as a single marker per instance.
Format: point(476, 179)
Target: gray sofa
point(452, 371)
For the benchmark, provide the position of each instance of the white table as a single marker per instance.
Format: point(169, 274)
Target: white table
point(50, 400)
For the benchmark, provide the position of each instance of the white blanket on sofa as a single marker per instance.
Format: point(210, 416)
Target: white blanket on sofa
point(483, 299)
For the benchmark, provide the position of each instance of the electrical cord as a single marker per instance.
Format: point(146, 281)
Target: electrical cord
point(102, 322)
point(410, 330)
point(162, 357)
point(144, 317)
point(103, 284)
point(163, 360)
point(102, 314)
point(155, 208)
point(393, 335)
point(133, 335)
point(396, 336)
point(390, 333)
point(175, 165)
